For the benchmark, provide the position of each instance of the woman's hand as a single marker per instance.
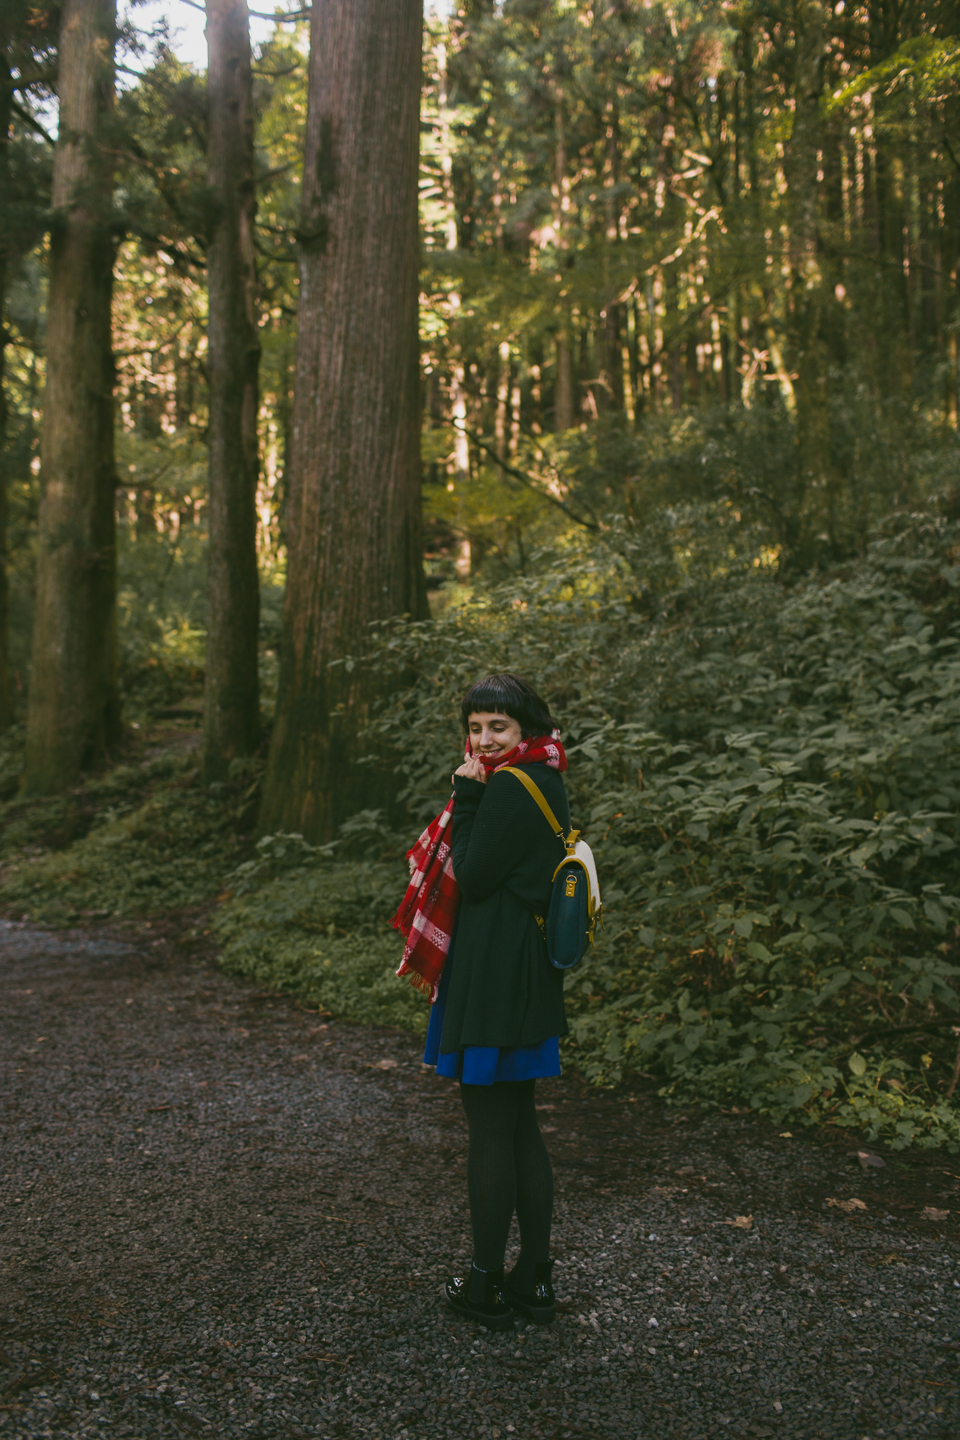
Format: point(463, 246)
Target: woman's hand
point(472, 769)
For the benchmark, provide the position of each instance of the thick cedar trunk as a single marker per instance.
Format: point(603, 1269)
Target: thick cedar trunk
point(73, 713)
point(354, 527)
point(231, 699)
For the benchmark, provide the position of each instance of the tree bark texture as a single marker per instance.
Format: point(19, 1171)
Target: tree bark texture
point(354, 525)
point(73, 712)
point(231, 699)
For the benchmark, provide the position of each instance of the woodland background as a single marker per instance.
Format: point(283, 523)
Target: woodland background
point(686, 448)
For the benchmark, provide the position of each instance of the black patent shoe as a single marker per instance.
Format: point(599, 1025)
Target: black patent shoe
point(479, 1297)
point(540, 1305)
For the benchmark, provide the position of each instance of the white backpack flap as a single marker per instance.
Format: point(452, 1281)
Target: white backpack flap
point(584, 854)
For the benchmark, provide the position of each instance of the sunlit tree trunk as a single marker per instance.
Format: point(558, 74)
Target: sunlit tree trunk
point(563, 400)
point(503, 395)
point(73, 713)
point(459, 470)
point(611, 346)
point(563, 391)
point(807, 353)
point(231, 698)
point(354, 527)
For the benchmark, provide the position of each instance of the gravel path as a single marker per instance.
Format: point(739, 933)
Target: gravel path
point(223, 1216)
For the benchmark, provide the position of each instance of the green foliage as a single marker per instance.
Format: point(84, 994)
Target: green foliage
point(770, 780)
point(320, 930)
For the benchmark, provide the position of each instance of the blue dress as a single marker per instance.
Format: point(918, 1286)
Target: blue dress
point(485, 1064)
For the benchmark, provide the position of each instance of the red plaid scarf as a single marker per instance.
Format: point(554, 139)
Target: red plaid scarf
point(429, 908)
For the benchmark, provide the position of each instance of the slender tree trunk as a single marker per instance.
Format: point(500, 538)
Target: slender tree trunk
point(6, 709)
point(611, 341)
point(460, 469)
point(563, 389)
point(73, 713)
point(354, 532)
point(231, 700)
point(807, 354)
point(6, 100)
point(563, 400)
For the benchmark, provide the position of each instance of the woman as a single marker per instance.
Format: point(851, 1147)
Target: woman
point(474, 940)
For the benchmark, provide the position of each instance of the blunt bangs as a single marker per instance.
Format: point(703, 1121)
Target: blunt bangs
point(507, 694)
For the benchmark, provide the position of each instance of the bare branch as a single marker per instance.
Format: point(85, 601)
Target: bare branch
point(527, 480)
point(28, 119)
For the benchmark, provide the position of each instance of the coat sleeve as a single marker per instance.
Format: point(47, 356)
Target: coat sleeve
point(491, 833)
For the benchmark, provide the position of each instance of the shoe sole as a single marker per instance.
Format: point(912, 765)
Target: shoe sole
point(504, 1322)
point(546, 1316)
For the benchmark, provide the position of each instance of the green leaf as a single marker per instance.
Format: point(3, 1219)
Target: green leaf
point(935, 912)
point(758, 951)
point(858, 1065)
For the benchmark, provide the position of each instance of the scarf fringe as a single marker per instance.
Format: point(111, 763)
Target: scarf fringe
point(418, 982)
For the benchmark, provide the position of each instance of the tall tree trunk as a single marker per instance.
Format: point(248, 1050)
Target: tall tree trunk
point(6, 708)
point(808, 357)
point(611, 338)
point(231, 725)
point(563, 387)
point(563, 397)
point(73, 713)
point(6, 103)
point(354, 532)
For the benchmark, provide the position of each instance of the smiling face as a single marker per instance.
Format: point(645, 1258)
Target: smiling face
point(493, 734)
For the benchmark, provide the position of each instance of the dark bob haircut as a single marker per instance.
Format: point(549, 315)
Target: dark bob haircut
point(507, 694)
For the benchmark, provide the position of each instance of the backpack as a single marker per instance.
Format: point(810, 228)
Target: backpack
point(575, 904)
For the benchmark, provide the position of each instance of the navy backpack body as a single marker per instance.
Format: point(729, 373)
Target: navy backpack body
point(575, 905)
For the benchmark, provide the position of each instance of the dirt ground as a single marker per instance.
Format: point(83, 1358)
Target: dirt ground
point(225, 1216)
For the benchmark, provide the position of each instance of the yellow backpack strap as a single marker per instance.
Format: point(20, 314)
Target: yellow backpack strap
point(532, 788)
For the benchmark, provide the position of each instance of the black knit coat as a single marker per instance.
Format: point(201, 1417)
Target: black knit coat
point(503, 990)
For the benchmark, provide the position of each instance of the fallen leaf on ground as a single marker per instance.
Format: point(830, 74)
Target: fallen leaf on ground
point(930, 1212)
point(847, 1205)
point(867, 1158)
point(741, 1222)
point(382, 1064)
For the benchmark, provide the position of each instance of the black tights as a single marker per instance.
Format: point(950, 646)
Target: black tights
point(508, 1169)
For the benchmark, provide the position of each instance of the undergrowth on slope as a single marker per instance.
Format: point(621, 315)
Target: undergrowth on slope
point(301, 921)
point(142, 838)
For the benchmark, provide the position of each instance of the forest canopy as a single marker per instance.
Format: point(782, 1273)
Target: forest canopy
point(680, 442)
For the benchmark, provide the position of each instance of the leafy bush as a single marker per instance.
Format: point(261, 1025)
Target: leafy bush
point(770, 779)
point(321, 931)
